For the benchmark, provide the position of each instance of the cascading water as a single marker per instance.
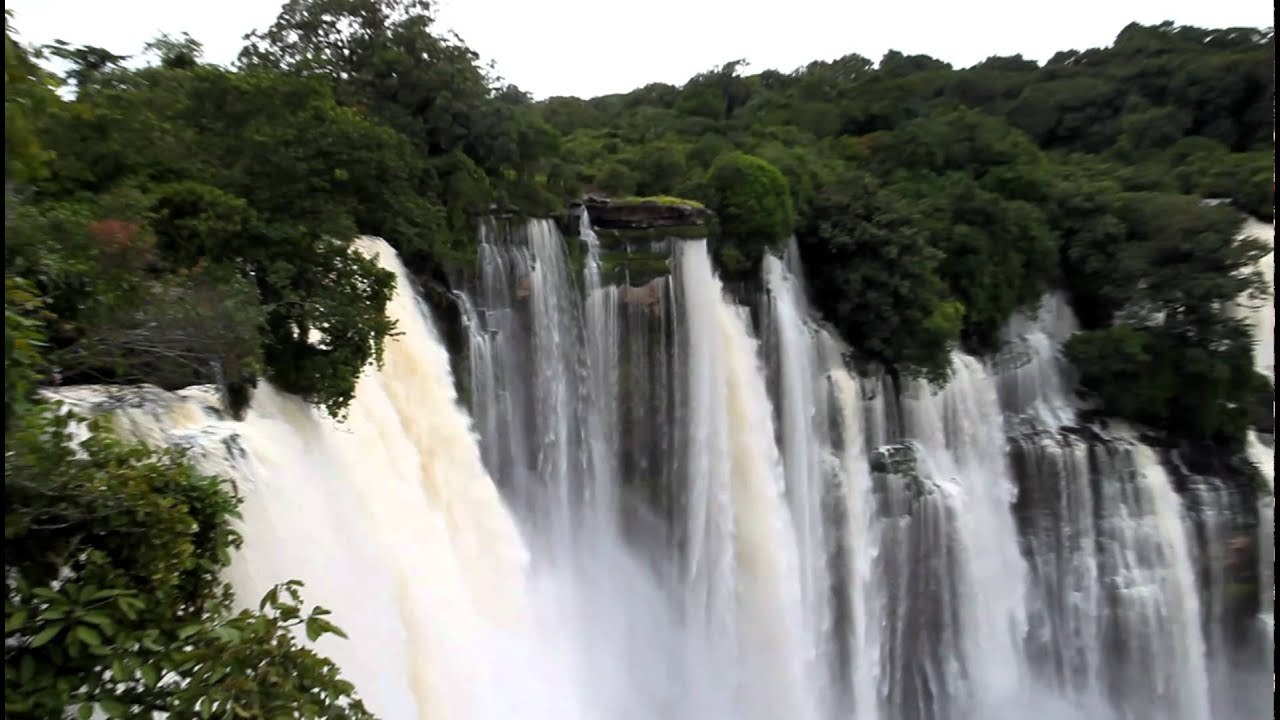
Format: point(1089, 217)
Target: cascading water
point(803, 416)
point(741, 560)
point(389, 518)
point(699, 601)
point(964, 546)
point(1261, 311)
point(861, 548)
point(1128, 609)
point(703, 527)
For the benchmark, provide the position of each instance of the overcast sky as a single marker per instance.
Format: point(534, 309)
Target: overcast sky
point(595, 47)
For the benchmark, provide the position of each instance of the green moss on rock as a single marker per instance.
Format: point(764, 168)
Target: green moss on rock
point(667, 200)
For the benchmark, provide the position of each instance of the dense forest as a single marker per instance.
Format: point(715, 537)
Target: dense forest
point(174, 222)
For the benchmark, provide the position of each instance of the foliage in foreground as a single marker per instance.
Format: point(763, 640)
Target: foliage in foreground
point(113, 557)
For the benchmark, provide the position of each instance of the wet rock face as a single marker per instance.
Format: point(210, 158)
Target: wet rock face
point(900, 459)
point(901, 480)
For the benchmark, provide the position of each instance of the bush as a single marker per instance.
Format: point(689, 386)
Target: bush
point(752, 201)
point(23, 339)
point(191, 327)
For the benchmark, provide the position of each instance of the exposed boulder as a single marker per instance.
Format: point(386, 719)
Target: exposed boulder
point(645, 213)
point(636, 235)
point(900, 479)
point(899, 459)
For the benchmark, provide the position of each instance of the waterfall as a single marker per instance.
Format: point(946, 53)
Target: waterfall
point(966, 532)
point(1116, 618)
point(742, 558)
point(1261, 311)
point(667, 505)
point(1152, 587)
point(803, 415)
point(666, 542)
point(862, 550)
point(1035, 384)
point(389, 518)
point(1263, 458)
point(1129, 610)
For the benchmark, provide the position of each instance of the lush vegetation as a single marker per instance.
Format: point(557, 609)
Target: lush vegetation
point(1164, 349)
point(930, 203)
point(175, 222)
point(113, 558)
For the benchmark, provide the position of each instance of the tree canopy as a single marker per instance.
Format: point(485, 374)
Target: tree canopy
point(239, 188)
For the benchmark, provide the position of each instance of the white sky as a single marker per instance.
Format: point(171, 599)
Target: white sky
point(595, 47)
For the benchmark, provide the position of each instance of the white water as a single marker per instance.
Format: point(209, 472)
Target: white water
point(741, 563)
point(1167, 652)
point(709, 625)
point(1261, 311)
point(703, 537)
point(391, 521)
point(1035, 384)
point(802, 411)
point(959, 430)
point(862, 548)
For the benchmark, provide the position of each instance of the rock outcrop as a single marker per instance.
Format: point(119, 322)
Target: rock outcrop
point(654, 213)
point(636, 234)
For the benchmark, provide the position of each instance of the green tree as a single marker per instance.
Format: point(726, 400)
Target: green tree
point(176, 53)
point(26, 94)
point(998, 254)
point(1194, 391)
point(89, 64)
point(873, 275)
point(1181, 261)
point(1174, 358)
point(275, 187)
point(753, 203)
point(382, 57)
point(717, 94)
